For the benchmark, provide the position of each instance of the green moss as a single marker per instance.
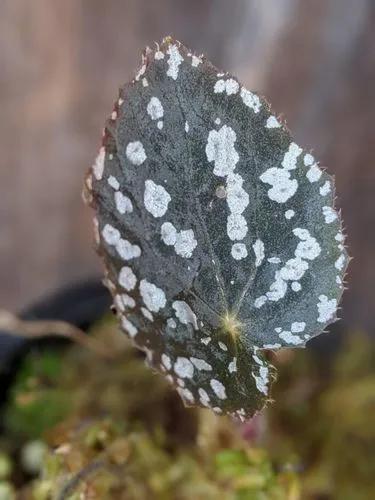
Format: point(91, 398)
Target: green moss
point(324, 421)
point(36, 402)
point(6, 466)
point(123, 433)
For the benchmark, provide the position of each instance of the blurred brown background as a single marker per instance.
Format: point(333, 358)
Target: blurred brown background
point(61, 63)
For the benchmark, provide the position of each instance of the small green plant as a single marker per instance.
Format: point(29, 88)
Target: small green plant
point(218, 232)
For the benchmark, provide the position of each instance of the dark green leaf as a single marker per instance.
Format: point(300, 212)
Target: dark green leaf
point(218, 232)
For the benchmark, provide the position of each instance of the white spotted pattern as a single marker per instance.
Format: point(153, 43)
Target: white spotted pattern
point(155, 109)
point(272, 346)
point(123, 203)
point(135, 153)
point(220, 149)
point(340, 263)
point(258, 248)
point(325, 189)
point(204, 398)
point(260, 301)
point(307, 249)
point(283, 187)
point(251, 100)
point(127, 300)
point(290, 158)
point(156, 198)
point(261, 378)
point(218, 388)
point(229, 86)
point(195, 61)
point(127, 278)
point(236, 227)
point(232, 367)
point(183, 368)
point(174, 61)
point(329, 214)
point(289, 214)
point(166, 361)
point(289, 338)
point(237, 197)
point(272, 122)
point(298, 326)
point(126, 250)
point(111, 235)
point(184, 242)
point(222, 346)
point(98, 167)
point(239, 251)
point(314, 173)
point(274, 260)
point(184, 313)
point(201, 364)
point(152, 296)
point(274, 190)
point(326, 308)
point(113, 182)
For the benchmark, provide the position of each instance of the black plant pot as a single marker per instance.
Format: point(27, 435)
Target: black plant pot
point(80, 304)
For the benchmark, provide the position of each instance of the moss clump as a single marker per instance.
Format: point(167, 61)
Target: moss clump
point(122, 433)
point(104, 461)
point(323, 422)
point(37, 402)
